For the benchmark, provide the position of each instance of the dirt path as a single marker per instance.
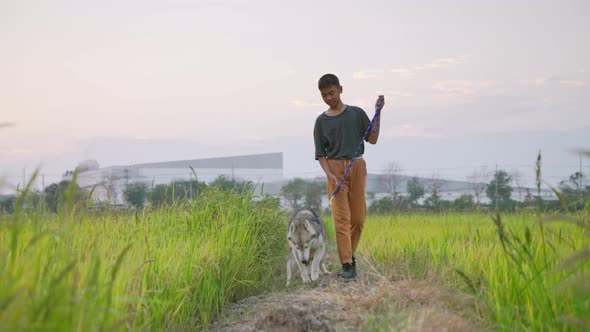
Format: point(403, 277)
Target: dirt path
point(369, 303)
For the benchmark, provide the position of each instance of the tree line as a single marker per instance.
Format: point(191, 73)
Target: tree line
point(427, 195)
point(136, 195)
point(420, 194)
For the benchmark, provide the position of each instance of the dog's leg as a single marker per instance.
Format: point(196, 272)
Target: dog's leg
point(291, 267)
point(323, 264)
point(303, 270)
point(289, 261)
point(317, 260)
point(324, 269)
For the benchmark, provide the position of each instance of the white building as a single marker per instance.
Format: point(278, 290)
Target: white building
point(108, 184)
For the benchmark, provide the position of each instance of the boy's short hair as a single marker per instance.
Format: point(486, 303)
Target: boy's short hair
point(328, 80)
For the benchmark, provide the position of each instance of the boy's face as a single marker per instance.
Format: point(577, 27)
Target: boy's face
point(331, 95)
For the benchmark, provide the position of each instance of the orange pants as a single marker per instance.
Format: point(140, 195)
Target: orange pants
point(349, 208)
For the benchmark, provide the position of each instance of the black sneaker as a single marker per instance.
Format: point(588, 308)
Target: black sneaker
point(348, 271)
point(354, 263)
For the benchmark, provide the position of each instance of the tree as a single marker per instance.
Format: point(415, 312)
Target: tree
point(415, 190)
point(465, 202)
point(314, 191)
point(529, 199)
point(225, 184)
point(435, 186)
point(56, 194)
point(300, 194)
point(293, 192)
point(135, 195)
point(391, 179)
point(51, 196)
point(383, 205)
point(573, 191)
point(433, 201)
point(477, 183)
point(161, 195)
point(35, 200)
point(517, 179)
point(499, 191)
point(7, 204)
point(111, 183)
point(186, 190)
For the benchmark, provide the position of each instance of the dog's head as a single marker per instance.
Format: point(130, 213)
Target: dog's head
point(302, 235)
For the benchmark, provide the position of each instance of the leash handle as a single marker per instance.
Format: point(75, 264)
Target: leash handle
point(378, 107)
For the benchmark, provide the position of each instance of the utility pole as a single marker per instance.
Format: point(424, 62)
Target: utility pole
point(496, 194)
point(43, 193)
point(190, 185)
point(125, 203)
point(126, 178)
point(581, 185)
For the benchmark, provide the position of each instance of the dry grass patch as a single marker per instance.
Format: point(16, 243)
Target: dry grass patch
point(371, 302)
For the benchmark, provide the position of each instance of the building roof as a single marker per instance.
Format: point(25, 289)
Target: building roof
point(253, 161)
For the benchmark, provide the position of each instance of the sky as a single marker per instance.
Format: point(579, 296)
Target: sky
point(467, 84)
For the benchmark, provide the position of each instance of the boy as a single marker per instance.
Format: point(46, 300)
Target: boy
point(337, 133)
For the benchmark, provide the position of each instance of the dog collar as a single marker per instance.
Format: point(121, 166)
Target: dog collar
point(315, 219)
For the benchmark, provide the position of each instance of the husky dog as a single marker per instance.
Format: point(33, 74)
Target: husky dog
point(306, 235)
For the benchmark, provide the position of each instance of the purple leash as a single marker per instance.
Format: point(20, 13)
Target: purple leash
point(378, 108)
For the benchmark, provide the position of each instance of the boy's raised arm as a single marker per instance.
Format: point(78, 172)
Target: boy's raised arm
point(374, 134)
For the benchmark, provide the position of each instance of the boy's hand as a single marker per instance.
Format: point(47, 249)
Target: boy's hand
point(336, 181)
point(379, 103)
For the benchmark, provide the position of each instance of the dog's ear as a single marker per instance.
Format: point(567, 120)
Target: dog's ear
point(291, 228)
point(306, 224)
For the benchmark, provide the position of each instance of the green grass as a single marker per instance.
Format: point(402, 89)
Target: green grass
point(175, 268)
point(514, 266)
point(171, 268)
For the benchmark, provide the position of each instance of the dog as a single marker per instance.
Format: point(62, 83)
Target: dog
point(306, 234)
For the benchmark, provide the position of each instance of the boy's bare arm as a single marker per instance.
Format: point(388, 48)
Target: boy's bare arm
point(374, 135)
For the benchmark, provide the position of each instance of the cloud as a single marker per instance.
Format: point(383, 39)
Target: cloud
point(435, 64)
point(303, 103)
point(393, 93)
point(573, 82)
point(461, 88)
point(364, 74)
point(412, 70)
point(559, 80)
point(403, 71)
point(407, 130)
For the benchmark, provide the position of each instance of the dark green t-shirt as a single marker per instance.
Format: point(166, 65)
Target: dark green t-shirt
point(337, 137)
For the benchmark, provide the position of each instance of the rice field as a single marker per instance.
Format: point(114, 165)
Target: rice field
point(165, 269)
point(175, 268)
point(527, 273)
